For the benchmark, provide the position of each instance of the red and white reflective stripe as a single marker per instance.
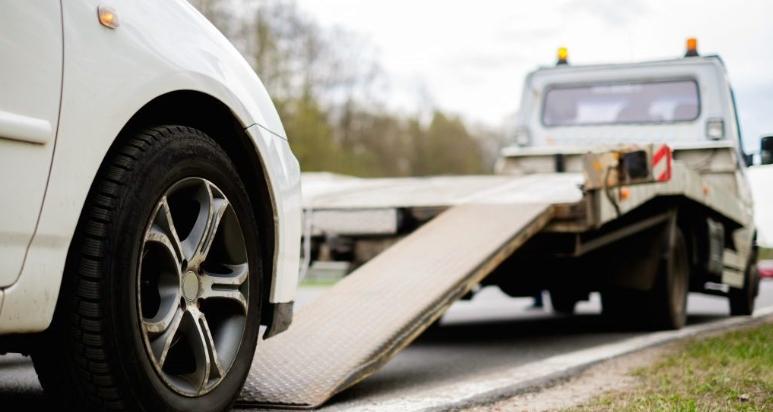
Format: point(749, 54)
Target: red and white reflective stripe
point(661, 163)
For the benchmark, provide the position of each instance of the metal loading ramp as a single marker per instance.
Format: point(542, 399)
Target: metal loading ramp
point(365, 319)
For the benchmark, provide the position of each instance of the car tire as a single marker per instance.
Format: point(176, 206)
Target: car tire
point(742, 300)
point(153, 315)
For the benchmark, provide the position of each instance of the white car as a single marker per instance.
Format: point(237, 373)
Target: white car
point(149, 207)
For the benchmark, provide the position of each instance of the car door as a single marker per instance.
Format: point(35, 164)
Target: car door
point(31, 50)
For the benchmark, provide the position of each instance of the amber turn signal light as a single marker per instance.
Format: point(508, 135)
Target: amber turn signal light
point(107, 17)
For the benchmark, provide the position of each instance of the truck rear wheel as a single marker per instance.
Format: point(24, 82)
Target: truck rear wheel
point(662, 307)
point(742, 300)
point(668, 298)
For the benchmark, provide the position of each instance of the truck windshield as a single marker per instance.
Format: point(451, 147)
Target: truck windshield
point(621, 103)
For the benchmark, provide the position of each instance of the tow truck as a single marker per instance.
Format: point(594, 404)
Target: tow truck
point(625, 179)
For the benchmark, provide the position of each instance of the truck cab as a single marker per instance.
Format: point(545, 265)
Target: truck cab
point(685, 101)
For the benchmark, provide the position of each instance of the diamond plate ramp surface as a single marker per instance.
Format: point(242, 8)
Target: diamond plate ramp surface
point(366, 318)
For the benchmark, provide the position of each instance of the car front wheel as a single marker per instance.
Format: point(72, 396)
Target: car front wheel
point(160, 302)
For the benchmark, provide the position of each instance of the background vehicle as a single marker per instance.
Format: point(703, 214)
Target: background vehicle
point(686, 103)
point(150, 208)
point(766, 268)
point(642, 244)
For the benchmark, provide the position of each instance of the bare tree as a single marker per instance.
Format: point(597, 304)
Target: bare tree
point(325, 85)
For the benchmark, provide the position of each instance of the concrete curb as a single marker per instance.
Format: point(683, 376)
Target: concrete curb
point(491, 387)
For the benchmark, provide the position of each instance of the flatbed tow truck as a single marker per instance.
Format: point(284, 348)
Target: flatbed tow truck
point(627, 179)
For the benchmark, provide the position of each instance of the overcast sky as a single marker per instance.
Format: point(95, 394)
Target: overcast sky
point(470, 56)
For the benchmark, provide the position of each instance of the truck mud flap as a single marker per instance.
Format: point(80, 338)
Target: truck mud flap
point(359, 324)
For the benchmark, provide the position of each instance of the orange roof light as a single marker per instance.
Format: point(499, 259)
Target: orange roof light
point(562, 56)
point(692, 47)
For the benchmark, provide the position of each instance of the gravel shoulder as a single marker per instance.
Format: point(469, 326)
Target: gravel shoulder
point(667, 377)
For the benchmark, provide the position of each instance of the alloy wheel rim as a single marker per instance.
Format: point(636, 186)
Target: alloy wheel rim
point(193, 287)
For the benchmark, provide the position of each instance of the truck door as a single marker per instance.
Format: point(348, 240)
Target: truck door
point(30, 88)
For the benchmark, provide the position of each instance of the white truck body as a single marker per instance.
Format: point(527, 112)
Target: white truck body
point(719, 161)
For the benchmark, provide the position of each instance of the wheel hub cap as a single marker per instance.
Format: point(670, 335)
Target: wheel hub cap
point(190, 287)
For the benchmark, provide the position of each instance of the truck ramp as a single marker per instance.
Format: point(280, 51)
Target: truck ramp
point(359, 324)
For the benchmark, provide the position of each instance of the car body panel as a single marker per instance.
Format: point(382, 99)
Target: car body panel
point(29, 114)
point(109, 75)
point(287, 215)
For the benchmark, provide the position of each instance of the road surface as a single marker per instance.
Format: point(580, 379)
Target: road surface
point(476, 337)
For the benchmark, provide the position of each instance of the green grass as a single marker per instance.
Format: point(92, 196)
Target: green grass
point(316, 283)
point(766, 254)
point(732, 372)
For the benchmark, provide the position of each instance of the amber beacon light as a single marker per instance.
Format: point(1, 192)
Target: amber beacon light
point(562, 56)
point(692, 47)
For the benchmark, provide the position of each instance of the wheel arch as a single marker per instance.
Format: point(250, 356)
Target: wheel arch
point(210, 115)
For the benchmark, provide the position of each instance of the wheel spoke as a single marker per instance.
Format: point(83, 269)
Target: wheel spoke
point(204, 351)
point(215, 370)
point(163, 342)
point(163, 231)
point(213, 206)
point(226, 286)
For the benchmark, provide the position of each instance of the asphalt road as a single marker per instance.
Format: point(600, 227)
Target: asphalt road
point(494, 332)
point(476, 337)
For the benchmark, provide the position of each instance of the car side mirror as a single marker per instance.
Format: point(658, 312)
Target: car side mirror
point(766, 150)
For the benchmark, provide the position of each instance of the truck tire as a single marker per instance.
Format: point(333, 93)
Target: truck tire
point(562, 302)
point(667, 300)
point(742, 300)
point(160, 303)
point(662, 307)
